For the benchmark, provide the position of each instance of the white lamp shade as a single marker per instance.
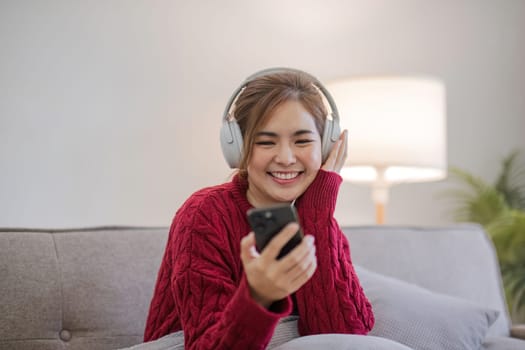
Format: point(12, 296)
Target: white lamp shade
point(396, 128)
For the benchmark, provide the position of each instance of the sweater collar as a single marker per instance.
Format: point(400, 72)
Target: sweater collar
point(240, 187)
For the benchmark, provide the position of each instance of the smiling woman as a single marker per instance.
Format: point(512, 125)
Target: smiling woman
point(219, 291)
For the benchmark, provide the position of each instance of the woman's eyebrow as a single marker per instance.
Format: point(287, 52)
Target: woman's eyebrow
point(266, 133)
point(302, 132)
point(273, 134)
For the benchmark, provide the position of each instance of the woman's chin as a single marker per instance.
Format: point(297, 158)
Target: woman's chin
point(287, 199)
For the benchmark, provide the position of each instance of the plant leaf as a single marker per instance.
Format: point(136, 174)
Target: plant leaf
point(511, 181)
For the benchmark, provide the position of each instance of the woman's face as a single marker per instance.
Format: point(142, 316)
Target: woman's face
point(286, 156)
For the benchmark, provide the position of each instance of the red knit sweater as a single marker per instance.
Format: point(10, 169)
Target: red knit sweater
point(201, 286)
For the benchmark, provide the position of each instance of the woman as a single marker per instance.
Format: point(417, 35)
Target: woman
point(213, 283)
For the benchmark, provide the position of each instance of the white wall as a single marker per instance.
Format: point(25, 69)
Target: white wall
point(110, 110)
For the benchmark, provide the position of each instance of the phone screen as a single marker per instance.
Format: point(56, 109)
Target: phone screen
point(267, 222)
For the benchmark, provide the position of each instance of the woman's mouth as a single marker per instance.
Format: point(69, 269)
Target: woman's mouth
point(285, 176)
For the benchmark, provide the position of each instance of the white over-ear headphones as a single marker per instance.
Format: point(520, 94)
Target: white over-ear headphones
point(231, 136)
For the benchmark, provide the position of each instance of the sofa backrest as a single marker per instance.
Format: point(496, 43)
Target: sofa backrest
point(459, 261)
point(77, 289)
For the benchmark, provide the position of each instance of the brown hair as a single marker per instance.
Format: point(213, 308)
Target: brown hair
point(261, 97)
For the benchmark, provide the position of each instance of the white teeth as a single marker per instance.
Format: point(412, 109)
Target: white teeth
point(285, 176)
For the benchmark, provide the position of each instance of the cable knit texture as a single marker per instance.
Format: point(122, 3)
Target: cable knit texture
point(201, 286)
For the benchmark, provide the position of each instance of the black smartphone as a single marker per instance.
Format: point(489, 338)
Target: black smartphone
point(267, 222)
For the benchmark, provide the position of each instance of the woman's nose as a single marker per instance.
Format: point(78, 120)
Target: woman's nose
point(285, 155)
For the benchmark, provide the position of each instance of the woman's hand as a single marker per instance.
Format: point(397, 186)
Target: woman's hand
point(338, 154)
point(271, 279)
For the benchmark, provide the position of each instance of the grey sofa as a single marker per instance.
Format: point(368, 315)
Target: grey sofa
point(91, 288)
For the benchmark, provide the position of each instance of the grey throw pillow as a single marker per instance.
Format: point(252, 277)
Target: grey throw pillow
point(422, 319)
point(173, 341)
point(341, 342)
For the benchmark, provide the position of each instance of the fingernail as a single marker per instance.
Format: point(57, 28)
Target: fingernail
point(294, 225)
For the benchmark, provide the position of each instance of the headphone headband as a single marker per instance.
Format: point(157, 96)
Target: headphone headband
point(333, 107)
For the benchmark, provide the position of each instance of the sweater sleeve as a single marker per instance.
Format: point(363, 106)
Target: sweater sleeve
point(333, 294)
point(219, 315)
point(210, 297)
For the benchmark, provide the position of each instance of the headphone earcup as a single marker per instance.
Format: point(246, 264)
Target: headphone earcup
point(231, 143)
point(331, 133)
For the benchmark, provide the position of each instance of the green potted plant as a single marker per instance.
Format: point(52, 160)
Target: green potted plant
point(500, 208)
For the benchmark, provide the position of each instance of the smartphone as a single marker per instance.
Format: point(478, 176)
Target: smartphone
point(267, 222)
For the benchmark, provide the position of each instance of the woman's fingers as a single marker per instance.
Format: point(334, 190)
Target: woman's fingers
point(338, 154)
point(299, 254)
point(342, 152)
point(248, 250)
point(271, 279)
point(296, 267)
point(329, 165)
point(304, 269)
point(272, 250)
point(305, 273)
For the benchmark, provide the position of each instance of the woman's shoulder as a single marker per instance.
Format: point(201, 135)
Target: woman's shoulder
point(212, 195)
point(207, 218)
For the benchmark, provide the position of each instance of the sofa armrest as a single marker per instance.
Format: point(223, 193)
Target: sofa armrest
point(518, 331)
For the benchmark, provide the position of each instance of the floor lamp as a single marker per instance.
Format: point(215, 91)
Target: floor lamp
point(396, 132)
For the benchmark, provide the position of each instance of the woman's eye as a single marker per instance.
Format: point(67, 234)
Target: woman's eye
point(264, 143)
point(304, 141)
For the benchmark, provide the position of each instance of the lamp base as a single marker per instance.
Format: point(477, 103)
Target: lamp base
point(380, 196)
point(380, 213)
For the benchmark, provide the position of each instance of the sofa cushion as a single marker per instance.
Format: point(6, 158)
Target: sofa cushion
point(422, 319)
point(459, 261)
point(111, 273)
point(30, 303)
